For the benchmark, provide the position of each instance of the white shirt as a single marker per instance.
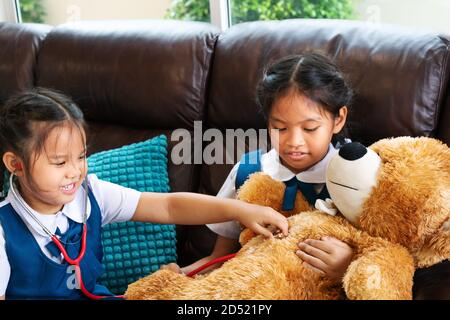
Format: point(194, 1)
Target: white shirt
point(116, 204)
point(270, 165)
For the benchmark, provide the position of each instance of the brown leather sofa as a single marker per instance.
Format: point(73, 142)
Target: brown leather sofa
point(137, 79)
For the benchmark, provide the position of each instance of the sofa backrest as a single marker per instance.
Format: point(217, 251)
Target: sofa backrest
point(19, 46)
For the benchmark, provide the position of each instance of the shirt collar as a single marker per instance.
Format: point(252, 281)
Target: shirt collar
point(270, 164)
point(73, 210)
point(316, 174)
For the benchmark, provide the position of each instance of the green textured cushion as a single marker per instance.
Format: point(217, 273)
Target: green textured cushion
point(135, 249)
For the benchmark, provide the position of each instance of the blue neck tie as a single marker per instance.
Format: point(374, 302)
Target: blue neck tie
point(307, 190)
point(71, 240)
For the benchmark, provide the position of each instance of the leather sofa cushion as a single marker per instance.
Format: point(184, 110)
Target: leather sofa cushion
point(144, 74)
point(19, 46)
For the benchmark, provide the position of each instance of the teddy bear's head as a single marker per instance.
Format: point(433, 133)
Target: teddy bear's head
point(397, 189)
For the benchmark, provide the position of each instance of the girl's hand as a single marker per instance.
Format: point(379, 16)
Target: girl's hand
point(172, 267)
point(261, 219)
point(328, 256)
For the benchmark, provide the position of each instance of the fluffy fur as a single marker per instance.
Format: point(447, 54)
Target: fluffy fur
point(404, 225)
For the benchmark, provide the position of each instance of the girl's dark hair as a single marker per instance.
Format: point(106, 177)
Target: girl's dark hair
point(312, 74)
point(27, 119)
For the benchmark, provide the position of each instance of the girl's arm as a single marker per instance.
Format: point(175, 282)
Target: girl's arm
point(192, 208)
point(2, 297)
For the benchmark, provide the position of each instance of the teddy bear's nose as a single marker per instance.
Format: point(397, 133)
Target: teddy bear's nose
point(352, 151)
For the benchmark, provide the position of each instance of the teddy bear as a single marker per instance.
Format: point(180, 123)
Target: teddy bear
point(391, 205)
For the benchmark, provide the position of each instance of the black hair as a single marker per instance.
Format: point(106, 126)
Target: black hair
point(27, 119)
point(312, 74)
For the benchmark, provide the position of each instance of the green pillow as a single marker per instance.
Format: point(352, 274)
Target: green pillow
point(132, 250)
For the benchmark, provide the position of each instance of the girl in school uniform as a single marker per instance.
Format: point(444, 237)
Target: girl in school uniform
point(51, 216)
point(305, 101)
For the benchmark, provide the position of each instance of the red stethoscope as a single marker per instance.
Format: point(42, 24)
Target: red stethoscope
point(74, 262)
point(210, 263)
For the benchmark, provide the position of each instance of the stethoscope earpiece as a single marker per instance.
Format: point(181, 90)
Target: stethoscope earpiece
point(18, 166)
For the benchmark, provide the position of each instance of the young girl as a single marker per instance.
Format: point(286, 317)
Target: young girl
point(304, 99)
point(42, 141)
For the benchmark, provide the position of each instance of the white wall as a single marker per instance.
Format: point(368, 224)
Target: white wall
point(61, 11)
point(8, 11)
point(430, 14)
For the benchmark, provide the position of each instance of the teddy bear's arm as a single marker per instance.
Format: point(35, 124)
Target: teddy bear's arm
point(384, 273)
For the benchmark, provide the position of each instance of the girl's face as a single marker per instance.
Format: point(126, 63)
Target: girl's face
point(58, 171)
point(301, 130)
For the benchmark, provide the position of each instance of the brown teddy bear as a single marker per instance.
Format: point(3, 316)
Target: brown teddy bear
point(395, 197)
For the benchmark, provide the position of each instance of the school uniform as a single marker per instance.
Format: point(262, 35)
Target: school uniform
point(32, 267)
point(270, 164)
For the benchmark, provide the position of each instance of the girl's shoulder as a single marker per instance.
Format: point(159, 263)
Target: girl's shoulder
point(264, 159)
